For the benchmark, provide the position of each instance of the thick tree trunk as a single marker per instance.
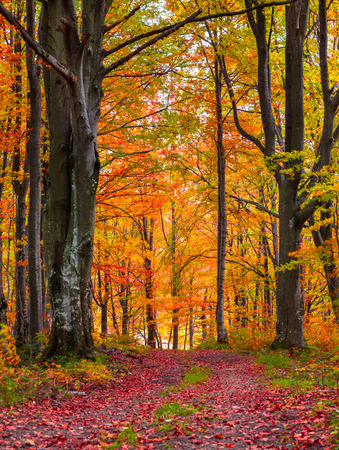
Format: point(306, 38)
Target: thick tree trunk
point(73, 112)
point(222, 224)
point(290, 308)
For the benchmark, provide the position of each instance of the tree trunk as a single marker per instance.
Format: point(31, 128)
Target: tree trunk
point(322, 240)
point(290, 308)
point(73, 112)
point(34, 214)
point(3, 302)
point(175, 281)
point(123, 298)
point(21, 320)
point(222, 224)
point(147, 234)
point(103, 308)
point(20, 190)
point(191, 328)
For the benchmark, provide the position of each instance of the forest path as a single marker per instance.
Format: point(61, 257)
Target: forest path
point(232, 409)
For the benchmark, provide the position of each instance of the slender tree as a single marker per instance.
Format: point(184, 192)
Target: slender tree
point(34, 213)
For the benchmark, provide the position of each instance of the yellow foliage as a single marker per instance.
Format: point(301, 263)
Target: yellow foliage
point(8, 354)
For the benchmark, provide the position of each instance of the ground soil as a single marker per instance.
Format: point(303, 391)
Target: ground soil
point(235, 408)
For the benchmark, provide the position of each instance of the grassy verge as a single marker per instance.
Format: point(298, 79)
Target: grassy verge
point(22, 378)
point(304, 370)
point(36, 381)
point(307, 371)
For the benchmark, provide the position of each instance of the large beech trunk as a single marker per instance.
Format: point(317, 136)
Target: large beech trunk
point(73, 112)
point(290, 308)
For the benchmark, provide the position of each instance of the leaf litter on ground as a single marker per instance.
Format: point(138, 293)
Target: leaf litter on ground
point(232, 408)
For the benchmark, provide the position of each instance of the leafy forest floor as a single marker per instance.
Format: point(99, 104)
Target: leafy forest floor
point(173, 399)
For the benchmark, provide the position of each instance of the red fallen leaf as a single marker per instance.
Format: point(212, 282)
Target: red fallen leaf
point(218, 436)
point(197, 441)
point(229, 423)
point(159, 439)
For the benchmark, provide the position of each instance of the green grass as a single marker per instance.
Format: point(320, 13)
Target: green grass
point(170, 409)
point(36, 381)
point(196, 375)
point(127, 436)
point(210, 343)
point(334, 426)
point(302, 370)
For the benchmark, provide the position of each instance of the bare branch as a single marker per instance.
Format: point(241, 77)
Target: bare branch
point(124, 19)
point(239, 127)
point(257, 205)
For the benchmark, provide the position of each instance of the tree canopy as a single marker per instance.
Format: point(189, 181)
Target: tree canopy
point(169, 170)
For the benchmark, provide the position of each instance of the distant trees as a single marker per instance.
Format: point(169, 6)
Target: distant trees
point(170, 149)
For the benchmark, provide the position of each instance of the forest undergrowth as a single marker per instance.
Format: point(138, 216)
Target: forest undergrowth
point(181, 399)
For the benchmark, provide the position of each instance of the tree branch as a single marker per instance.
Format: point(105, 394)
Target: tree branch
point(195, 20)
point(257, 205)
point(124, 19)
point(31, 42)
point(139, 49)
point(239, 127)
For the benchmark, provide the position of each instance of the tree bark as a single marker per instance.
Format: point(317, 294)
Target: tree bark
point(73, 112)
point(20, 189)
point(147, 234)
point(323, 241)
point(34, 214)
point(175, 281)
point(222, 217)
point(3, 302)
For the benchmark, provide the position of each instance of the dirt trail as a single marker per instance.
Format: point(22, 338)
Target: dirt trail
point(232, 410)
